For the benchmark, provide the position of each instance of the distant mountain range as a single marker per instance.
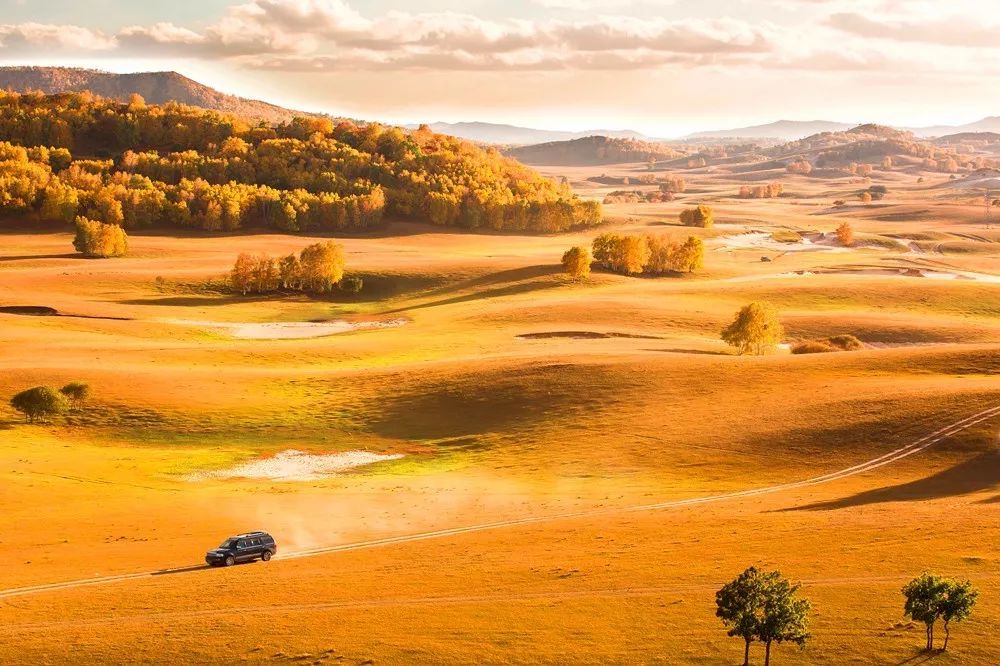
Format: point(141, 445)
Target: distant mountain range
point(155, 88)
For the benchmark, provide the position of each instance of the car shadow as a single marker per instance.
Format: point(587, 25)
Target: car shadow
point(170, 572)
point(972, 476)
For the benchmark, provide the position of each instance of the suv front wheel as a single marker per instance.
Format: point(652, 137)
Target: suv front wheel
point(230, 560)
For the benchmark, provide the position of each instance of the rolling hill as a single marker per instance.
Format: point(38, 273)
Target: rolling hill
point(155, 88)
point(521, 136)
point(592, 150)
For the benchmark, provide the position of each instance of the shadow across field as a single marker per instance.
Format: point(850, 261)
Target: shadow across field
point(515, 282)
point(972, 476)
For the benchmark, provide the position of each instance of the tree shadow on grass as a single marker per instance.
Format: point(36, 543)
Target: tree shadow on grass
point(26, 257)
point(920, 657)
point(972, 476)
point(699, 352)
point(497, 292)
point(192, 301)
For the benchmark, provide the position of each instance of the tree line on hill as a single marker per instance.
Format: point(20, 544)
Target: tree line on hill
point(137, 165)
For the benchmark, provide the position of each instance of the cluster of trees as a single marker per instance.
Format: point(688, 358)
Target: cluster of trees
point(763, 606)
point(317, 269)
point(930, 598)
point(756, 329)
point(650, 254)
point(700, 216)
point(769, 191)
point(800, 166)
point(42, 402)
point(96, 239)
point(179, 166)
point(636, 196)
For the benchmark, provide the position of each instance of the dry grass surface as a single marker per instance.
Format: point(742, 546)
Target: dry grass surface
point(513, 393)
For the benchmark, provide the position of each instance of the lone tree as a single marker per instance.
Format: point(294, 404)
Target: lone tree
point(702, 216)
point(755, 329)
point(98, 240)
point(930, 597)
point(845, 234)
point(784, 617)
point(76, 392)
point(957, 605)
point(39, 402)
point(576, 262)
point(763, 606)
point(738, 605)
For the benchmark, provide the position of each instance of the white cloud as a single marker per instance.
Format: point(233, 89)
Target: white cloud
point(31, 37)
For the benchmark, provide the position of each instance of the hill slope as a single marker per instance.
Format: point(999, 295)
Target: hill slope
point(789, 130)
point(592, 150)
point(155, 88)
point(512, 135)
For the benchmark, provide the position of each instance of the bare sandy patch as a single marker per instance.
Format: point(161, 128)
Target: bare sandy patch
point(763, 240)
point(294, 465)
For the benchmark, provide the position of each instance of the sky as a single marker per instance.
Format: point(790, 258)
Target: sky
point(662, 67)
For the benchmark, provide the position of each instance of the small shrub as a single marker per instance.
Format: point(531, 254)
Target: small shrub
point(76, 392)
point(812, 347)
point(846, 342)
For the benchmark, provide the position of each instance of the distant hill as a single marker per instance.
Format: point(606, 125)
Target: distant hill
point(987, 137)
point(592, 150)
point(990, 124)
point(788, 130)
point(155, 88)
point(511, 135)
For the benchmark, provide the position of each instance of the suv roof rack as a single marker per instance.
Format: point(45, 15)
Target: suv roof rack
point(252, 534)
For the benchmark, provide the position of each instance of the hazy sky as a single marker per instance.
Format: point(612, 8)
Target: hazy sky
point(665, 67)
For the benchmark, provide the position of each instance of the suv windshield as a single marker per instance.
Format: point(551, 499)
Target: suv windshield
point(228, 544)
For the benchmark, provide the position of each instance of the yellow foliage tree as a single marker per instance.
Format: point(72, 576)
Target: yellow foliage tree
point(702, 216)
point(95, 239)
point(576, 262)
point(756, 329)
point(845, 233)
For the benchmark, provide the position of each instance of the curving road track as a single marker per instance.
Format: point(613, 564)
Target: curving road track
point(881, 461)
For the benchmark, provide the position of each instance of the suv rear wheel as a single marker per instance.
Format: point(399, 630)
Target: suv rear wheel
point(266, 556)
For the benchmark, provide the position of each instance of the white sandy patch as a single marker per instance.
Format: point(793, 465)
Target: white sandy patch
point(293, 465)
point(762, 240)
point(292, 330)
point(874, 272)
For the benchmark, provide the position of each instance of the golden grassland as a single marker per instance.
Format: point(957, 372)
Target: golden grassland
point(496, 426)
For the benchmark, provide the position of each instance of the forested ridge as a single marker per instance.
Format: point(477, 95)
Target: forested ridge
point(139, 165)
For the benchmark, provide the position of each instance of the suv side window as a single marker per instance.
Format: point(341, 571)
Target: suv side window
point(242, 543)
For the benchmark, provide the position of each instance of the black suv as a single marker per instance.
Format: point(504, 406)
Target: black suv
point(242, 548)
